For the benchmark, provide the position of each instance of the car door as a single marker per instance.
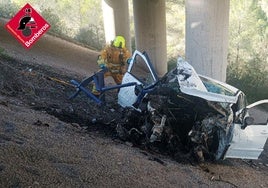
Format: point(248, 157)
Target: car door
point(249, 143)
point(140, 71)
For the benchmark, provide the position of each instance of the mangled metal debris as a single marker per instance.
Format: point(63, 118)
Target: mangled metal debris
point(184, 111)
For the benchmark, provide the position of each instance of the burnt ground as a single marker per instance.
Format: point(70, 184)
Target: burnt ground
point(47, 140)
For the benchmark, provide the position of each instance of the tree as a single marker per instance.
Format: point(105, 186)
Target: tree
point(248, 48)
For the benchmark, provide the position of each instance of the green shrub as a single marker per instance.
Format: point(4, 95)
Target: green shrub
point(57, 25)
point(8, 10)
point(251, 77)
point(91, 37)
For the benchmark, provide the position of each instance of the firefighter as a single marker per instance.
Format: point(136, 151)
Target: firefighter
point(113, 58)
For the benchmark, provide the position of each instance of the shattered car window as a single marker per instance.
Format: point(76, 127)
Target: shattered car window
point(214, 87)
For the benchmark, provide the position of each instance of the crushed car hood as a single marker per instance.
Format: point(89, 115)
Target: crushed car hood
point(204, 87)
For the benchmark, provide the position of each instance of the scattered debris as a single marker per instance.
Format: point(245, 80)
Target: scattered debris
point(157, 160)
point(40, 123)
point(76, 125)
point(60, 81)
point(4, 103)
point(219, 178)
point(2, 167)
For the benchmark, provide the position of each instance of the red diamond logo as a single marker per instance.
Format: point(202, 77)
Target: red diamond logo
point(27, 26)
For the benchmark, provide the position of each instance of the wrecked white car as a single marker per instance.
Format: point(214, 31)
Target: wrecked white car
point(184, 111)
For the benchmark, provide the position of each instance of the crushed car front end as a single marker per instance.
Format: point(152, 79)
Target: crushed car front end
point(185, 112)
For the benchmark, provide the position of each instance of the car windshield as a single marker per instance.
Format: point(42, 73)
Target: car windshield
point(215, 87)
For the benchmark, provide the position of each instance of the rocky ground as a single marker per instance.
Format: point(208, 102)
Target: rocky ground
point(47, 140)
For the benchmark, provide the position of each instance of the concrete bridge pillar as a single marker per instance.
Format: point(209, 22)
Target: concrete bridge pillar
point(150, 31)
point(207, 23)
point(116, 20)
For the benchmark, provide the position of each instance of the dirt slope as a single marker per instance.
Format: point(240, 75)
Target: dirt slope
point(47, 140)
point(52, 51)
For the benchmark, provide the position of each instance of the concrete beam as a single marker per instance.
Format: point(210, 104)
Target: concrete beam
point(116, 20)
point(207, 23)
point(150, 31)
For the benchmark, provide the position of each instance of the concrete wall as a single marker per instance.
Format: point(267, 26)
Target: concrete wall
point(207, 23)
point(150, 31)
point(116, 20)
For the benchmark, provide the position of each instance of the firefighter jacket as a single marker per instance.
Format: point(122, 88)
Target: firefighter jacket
point(114, 59)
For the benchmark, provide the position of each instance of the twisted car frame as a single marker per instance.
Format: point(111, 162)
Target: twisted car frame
point(184, 111)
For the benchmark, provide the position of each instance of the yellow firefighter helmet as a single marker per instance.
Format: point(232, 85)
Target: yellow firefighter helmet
point(119, 42)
